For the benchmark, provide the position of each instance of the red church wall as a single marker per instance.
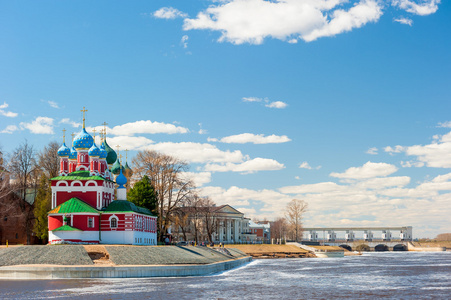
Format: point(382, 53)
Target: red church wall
point(55, 222)
point(87, 197)
point(81, 222)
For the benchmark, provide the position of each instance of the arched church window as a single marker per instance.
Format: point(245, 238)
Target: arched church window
point(113, 223)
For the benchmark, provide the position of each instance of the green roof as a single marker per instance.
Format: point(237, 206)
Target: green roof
point(73, 205)
point(121, 206)
point(79, 175)
point(66, 228)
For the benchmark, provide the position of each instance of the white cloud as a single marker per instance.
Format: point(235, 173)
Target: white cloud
point(143, 127)
point(342, 21)
point(252, 99)
point(425, 7)
point(10, 129)
point(8, 114)
point(397, 149)
point(128, 142)
point(198, 153)
point(436, 154)
point(252, 21)
point(276, 104)
point(202, 131)
point(199, 178)
point(209, 139)
point(41, 125)
point(306, 165)
point(70, 122)
point(169, 13)
point(372, 151)
point(368, 170)
point(445, 124)
point(51, 103)
point(247, 167)
point(184, 41)
point(255, 139)
point(403, 20)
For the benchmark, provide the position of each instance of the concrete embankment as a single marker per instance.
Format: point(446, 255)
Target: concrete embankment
point(76, 261)
point(412, 247)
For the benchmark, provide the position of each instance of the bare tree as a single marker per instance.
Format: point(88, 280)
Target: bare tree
point(48, 160)
point(209, 216)
point(22, 167)
point(165, 173)
point(294, 211)
point(279, 229)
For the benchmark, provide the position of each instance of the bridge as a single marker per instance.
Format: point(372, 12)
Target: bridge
point(391, 238)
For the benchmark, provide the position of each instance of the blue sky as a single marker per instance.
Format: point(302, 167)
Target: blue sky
point(344, 104)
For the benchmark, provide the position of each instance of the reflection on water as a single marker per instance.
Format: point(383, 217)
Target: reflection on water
point(397, 275)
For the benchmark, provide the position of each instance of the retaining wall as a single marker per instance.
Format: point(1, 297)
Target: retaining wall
point(57, 272)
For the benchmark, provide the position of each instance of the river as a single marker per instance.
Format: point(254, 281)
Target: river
point(388, 275)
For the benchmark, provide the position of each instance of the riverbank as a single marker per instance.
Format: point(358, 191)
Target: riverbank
point(77, 261)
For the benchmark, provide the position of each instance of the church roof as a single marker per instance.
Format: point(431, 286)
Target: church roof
point(79, 175)
point(121, 206)
point(73, 205)
point(66, 228)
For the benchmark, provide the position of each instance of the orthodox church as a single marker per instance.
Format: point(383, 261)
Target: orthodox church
point(89, 198)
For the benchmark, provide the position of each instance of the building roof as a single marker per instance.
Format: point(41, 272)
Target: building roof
point(73, 205)
point(79, 175)
point(122, 206)
point(66, 228)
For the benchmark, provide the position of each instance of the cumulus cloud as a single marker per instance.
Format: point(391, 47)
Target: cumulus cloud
point(41, 125)
point(199, 178)
point(197, 152)
point(255, 139)
point(372, 151)
point(129, 142)
point(423, 8)
point(70, 122)
point(10, 129)
point(445, 124)
point(5, 113)
point(276, 104)
point(143, 127)
point(368, 170)
point(169, 13)
point(396, 149)
point(252, 21)
point(342, 21)
point(184, 41)
point(306, 165)
point(403, 20)
point(249, 166)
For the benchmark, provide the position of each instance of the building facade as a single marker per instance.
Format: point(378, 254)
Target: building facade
point(89, 199)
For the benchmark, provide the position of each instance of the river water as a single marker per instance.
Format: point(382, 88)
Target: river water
point(388, 275)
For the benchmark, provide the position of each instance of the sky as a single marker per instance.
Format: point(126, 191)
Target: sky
point(343, 104)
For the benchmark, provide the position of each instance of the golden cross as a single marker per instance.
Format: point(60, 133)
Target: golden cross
point(83, 111)
point(94, 134)
point(126, 154)
point(64, 135)
point(104, 129)
point(117, 146)
point(72, 134)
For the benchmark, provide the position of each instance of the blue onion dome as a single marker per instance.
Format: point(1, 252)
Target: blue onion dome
point(117, 168)
point(73, 153)
point(111, 156)
point(121, 179)
point(103, 153)
point(63, 150)
point(94, 150)
point(83, 140)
